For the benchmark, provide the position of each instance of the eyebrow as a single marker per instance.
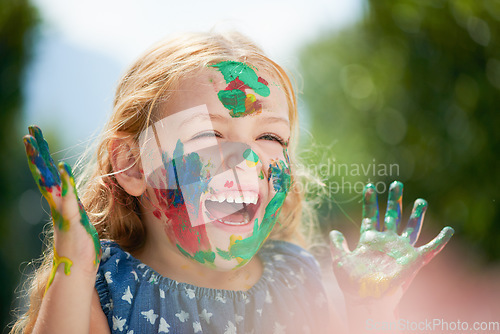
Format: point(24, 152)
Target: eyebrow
point(220, 118)
point(203, 116)
point(277, 119)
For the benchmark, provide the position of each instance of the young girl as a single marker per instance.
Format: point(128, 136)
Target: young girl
point(188, 214)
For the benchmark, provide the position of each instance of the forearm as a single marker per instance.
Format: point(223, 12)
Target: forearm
point(372, 315)
point(66, 305)
point(370, 318)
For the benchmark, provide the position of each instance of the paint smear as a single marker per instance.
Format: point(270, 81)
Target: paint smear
point(251, 158)
point(56, 181)
point(190, 238)
point(55, 264)
point(374, 285)
point(248, 247)
point(240, 77)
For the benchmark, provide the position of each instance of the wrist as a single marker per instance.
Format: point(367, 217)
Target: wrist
point(362, 313)
point(378, 310)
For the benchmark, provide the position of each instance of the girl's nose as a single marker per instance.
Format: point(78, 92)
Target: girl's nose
point(237, 154)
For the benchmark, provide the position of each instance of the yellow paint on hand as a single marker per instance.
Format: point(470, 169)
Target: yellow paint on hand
point(55, 264)
point(374, 285)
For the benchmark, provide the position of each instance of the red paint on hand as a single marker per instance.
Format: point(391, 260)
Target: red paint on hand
point(228, 184)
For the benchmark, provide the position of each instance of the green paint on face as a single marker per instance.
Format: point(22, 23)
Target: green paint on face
point(233, 100)
point(233, 70)
point(240, 77)
point(261, 175)
point(248, 247)
point(251, 156)
point(205, 257)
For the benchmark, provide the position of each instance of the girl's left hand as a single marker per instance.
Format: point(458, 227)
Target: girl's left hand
point(384, 263)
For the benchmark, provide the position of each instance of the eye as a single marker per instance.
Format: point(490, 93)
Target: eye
point(207, 134)
point(273, 137)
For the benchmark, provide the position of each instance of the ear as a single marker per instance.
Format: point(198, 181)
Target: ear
point(124, 156)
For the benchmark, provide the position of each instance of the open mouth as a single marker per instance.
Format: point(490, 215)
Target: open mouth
point(233, 208)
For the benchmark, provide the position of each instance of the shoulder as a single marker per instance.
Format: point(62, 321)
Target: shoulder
point(286, 254)
point(288, 265)
point(117, 266)
point(111, 250)
point(293, 282)
point(114, 260)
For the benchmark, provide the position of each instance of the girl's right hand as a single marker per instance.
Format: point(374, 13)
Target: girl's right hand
point(76, 243)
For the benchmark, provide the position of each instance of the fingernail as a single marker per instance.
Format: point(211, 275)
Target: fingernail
point(370, 193)
point(33, 130)
point(65, 177)
point(396, 189)
point(30, 144)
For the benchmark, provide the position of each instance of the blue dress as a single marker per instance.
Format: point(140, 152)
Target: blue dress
point(288, 298)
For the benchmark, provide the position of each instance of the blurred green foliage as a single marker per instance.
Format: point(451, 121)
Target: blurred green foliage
point(414, 83)
point(17, 239)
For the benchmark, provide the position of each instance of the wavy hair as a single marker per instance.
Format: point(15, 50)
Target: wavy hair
point(151, 81)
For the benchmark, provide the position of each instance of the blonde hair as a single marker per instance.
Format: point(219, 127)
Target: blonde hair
point(149, 82)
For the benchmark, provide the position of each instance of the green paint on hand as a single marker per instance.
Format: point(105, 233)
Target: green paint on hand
point(66, 173)
point(52, 181)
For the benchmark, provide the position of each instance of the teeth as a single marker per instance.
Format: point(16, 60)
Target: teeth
point(234, 223)
point(247, 197)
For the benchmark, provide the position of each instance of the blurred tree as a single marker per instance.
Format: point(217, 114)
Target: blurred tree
point(17, 20)
point(416, 83)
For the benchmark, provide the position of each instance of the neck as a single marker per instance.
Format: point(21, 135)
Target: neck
point(168, 262)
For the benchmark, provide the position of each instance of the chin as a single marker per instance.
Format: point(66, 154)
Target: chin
point(225, 265)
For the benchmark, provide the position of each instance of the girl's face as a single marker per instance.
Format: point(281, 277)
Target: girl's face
point(216, 164)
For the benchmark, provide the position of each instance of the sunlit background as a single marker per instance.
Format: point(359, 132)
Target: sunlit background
point(399, 89)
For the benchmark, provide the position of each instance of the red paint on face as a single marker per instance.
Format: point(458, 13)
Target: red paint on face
point(262, 80)
point(237, 84)
point(178, 226)
point(228, 184)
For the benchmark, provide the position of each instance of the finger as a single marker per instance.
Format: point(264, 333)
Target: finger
point(394, 206)
point(73, 209)
point(412, 230)
point(370, 209)
point(436, 245)
point(43, 148)
point(338, 245)
point(44, 178)
point(70, 210)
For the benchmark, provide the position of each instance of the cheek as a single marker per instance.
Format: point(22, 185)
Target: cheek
point(269, 155)
point(170, 210)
